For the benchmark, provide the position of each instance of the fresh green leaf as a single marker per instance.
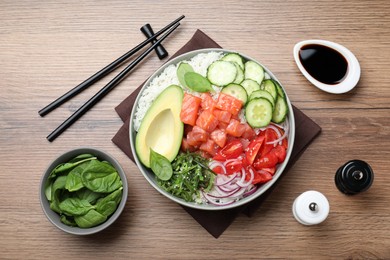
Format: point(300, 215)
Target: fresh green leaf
point(101, 177)
point(91, 219)
point(197, 82)
point(73, 180)
point(160, 165)
point(82, 157)
point(65, 167)
point(75, 206)
point(108, 204)
point(88, 195)
point(68, 220)
point(56, 190)
point(181, 71)
point(48, 186)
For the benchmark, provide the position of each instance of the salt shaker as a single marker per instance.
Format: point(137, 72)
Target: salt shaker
point(354, 176)
point(311, 208)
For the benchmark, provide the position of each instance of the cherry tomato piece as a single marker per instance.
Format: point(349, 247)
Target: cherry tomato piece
point(267, 161)
point(232, 150)
point(253, 149)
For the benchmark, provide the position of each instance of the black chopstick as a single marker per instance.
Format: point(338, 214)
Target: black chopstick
point(103, 72)
point(113, 83)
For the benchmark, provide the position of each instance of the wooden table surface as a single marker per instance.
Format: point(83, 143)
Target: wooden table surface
point(48, 47)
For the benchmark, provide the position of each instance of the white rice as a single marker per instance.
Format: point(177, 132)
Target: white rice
point(168, 77)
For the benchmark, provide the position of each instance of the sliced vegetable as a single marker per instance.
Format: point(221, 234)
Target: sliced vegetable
point(240, 74)
point(254, 71)
point(250, 86)
point(253, 149)
point(221, 73)
point(263, 94)
point(269, 86)
point(234, 57)
point(267, 161)
point(237, 91)
point(281, 109)
point(280, 89)
point(258, 112)
point(232, 150)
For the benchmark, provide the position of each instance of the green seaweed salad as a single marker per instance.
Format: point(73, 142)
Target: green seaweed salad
point(190, 174)
point(84, 191)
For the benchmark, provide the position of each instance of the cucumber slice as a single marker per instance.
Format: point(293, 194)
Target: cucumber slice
point(253, 71)
point(221, 73)
point(240, 74)
point(237, 91)
point(234, 57)
point(250, 86)
point(279, 89)
point(263, 94)
point(280, 110)
point(258, 112)
point(269, 86)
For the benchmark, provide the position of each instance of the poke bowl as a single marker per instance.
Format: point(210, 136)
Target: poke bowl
point(212, 129)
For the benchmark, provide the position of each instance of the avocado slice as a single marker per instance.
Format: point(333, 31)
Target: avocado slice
point(161, 128)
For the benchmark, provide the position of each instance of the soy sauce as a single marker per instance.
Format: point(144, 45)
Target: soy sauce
point(323, 63)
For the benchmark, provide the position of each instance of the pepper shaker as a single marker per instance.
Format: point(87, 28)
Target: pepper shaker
point(353, 177)
point(311, 208)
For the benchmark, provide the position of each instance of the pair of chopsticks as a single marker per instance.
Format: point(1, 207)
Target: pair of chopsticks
point(100, 74)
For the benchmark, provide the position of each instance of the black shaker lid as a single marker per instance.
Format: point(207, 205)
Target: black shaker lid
point(353, 177)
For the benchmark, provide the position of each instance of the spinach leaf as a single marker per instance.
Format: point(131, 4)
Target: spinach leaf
point(108, 204)
point(48, 186)
point(68, 220)
point(160, 165)
point(101, 177)
point(91, 219)
point(88, 195)
point(197, 82)
point(73, 180)
point(75, 206)
point(56, 190)
point(64, 168)
point(182, 69)
point(81, 157)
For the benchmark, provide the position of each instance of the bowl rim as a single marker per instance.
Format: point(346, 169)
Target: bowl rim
point(259, 191)
point(53, 217)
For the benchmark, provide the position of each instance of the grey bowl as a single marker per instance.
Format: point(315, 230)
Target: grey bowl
point(149, 175)
point(54, 218)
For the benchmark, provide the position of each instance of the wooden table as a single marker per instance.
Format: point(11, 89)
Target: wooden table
point(48, 47)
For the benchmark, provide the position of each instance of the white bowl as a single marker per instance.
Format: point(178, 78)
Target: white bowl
point(149, 175)
point(353, 72)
